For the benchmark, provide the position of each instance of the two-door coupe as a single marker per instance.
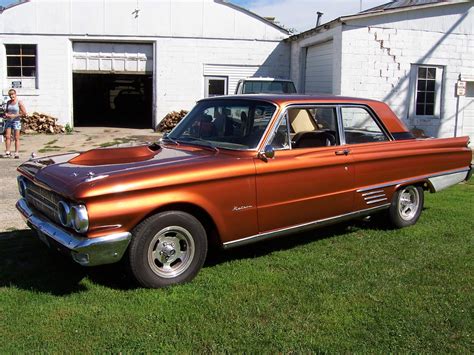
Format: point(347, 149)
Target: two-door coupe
point(235, 170)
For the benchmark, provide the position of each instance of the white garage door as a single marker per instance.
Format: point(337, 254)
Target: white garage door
point(121, 58)
point(318, 72)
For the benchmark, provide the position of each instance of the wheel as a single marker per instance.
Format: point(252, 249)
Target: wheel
point(406, 206)
point(167, 249)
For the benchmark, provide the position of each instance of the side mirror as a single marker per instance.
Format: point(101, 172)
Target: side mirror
point(268, 153)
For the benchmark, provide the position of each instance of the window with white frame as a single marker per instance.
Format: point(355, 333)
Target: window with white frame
point(21, 65)
point(215, 86)
point(427, 86)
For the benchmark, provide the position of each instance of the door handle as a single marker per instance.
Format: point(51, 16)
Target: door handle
point(343, 152)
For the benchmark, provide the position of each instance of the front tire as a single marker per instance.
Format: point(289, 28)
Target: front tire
point(406, 206)
point(167, 249)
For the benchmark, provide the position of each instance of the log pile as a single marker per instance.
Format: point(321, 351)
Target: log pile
point(419, 133)
point(170, 120)
point(41, 123)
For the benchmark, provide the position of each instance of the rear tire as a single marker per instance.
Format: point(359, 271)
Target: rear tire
point(406, 207)
point(167, 249)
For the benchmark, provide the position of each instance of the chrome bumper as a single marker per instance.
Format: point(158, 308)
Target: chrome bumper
point(85, 251)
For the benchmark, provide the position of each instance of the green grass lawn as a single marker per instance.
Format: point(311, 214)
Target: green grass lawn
point(355, 287)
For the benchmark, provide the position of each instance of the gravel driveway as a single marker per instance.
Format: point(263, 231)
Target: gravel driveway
point(44, 144)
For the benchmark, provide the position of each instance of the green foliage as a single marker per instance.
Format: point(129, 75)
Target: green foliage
point(357, 287)
point(116, 141)
point(68, 128)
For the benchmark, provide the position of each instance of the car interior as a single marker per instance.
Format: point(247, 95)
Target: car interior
point(317, 127)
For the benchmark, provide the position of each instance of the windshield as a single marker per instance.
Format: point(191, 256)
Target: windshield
point(229, 124)
point(269, 87)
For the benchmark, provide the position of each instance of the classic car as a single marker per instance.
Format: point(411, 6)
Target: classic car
point(235, 170)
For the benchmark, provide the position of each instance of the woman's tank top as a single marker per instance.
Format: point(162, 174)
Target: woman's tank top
point(14, 109)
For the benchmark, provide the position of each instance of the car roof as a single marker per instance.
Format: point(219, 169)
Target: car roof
point(288, 99)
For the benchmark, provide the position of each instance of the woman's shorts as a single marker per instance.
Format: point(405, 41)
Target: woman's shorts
point(15, 125)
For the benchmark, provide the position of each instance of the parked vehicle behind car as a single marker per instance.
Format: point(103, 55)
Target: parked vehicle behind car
point(235, 170)
point(257, 85)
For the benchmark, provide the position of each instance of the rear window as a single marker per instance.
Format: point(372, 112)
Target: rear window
point(269, 87)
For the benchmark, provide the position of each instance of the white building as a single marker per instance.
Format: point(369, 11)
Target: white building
point(408, 53)
point(130, 62)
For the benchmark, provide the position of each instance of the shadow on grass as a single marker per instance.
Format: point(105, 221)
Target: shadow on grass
point(265, 247)
point(26, 263)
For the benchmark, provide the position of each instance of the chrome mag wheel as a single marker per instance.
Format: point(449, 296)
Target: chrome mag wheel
point(171, 251)
point(409, 203)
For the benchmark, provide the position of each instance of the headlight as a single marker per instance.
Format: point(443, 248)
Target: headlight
point(79, 218)
point(64, 213)
point(21, 186)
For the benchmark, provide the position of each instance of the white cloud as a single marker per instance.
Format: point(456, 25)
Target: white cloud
point(301, 14)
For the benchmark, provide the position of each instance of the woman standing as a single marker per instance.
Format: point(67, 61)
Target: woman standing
point(13, 113)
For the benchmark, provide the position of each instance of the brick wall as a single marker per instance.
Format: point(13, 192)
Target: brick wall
point(377, 62)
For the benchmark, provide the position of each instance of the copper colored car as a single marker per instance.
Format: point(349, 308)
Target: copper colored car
point(235, 170)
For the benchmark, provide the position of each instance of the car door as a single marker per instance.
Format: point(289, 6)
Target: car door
point(375, 161)
point(310, 177)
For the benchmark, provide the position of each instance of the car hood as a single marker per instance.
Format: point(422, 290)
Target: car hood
point(100, 171)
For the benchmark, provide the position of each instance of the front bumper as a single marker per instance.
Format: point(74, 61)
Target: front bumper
point(85, 251)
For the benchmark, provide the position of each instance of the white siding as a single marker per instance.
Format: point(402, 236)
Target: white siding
point(236, 72)
point(319, 67)
point(184, 34)
point(171, 18)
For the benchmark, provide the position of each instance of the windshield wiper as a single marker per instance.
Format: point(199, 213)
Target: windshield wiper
point(166, 138)
point(197, 141)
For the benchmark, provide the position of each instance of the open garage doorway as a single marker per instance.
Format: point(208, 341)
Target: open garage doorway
point(113, 100)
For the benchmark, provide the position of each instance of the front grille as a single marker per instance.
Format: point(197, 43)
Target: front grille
point(43, 200)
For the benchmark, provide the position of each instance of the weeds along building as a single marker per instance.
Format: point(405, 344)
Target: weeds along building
point(130, 62)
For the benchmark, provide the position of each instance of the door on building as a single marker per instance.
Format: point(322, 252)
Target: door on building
point(113, 84)
point(468, 108)
point(318, 69)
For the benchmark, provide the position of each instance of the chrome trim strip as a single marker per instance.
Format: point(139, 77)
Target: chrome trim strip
point(411, 180)
point(373, 196)
point(375, 201)
point(85, 251)
point(439, 183)
point(373, 192)
point(303, 227)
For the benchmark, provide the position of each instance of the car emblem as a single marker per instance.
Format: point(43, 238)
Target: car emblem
point(240, 208)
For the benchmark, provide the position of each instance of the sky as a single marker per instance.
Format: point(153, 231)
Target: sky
point(297, 14)
point(301, 14)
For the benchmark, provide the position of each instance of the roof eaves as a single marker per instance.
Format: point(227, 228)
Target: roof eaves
point(253, 14)
point(400, 9)
point(324, 26)
point(366, 14)
point(4, 8)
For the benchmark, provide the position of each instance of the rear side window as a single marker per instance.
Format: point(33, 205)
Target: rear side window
point(360, 126)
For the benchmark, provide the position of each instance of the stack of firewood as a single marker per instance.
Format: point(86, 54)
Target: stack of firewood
point(41, 123)
point(170, 120)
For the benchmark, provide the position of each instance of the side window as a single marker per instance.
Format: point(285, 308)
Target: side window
point(360, 126)
point(21, 65)
point(313, 127)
